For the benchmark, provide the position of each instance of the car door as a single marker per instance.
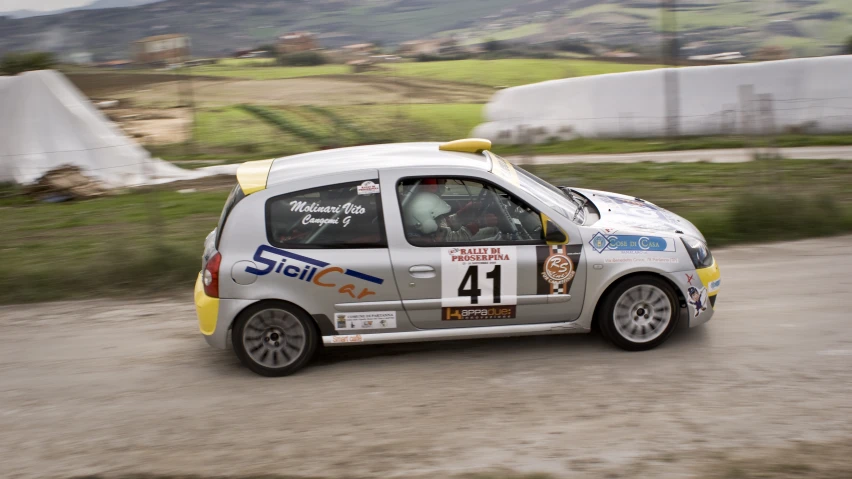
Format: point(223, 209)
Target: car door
point(487, 263)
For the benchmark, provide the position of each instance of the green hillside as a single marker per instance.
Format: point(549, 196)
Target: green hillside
point(219, 27)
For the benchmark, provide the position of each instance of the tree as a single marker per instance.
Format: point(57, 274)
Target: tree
point(14, 63)
point(302, 59)
point(849, 45)
point(493, 45)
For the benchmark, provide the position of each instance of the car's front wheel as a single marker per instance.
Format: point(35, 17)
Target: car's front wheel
point(639, 313)
point(274, 339)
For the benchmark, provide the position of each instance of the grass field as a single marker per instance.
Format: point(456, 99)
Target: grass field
point(239, 133)
point(264, 69)
point(234, 134)
point(149, 242)
point(504, 72)
point(510, 72)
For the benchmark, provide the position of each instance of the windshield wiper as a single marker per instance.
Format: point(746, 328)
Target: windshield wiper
point(579, 200)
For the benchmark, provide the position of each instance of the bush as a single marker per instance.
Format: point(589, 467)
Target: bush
point(424, 57)
point(570, 46)
point(14, 63)
point(494, 45)
point(757, 217)
point(302, 59)
point(518, 52)
point(272, 117)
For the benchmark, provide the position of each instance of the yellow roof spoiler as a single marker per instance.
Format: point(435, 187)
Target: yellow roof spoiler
point(252, 175)
point(468, 145)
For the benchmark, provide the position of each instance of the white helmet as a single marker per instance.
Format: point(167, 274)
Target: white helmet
point(421, 211)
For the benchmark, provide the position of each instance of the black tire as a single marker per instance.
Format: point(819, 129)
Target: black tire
point(618, 331)
point(269, 327)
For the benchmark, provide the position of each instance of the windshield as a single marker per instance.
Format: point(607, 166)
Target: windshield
point(548, 194)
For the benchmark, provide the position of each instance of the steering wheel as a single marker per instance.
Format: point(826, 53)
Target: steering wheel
point(504, 219)
point(485, 200)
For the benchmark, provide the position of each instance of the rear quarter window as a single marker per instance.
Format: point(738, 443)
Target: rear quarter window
point(235, 197)
point(335, 216)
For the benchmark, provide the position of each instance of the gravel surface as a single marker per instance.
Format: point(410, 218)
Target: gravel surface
point(115, 387)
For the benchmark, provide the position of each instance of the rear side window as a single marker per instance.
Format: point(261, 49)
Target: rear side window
point(235, 197)
point(347, 215)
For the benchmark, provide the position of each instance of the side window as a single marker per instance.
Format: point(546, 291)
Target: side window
point(346, 215)
point(441, 211)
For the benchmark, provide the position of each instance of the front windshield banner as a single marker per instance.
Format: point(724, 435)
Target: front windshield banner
point(504, 169)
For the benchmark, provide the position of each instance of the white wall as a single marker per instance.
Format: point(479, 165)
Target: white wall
point(811, 94)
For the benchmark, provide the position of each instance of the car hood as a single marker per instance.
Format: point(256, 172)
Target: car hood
point(627, 213)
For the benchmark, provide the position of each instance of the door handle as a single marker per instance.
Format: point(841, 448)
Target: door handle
point(422, 271)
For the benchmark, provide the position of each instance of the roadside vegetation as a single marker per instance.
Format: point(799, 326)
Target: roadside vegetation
point(15, 63)
point(149, 242)
point(643, 145)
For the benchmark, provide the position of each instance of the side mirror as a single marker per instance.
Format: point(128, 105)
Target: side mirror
point(552, 233)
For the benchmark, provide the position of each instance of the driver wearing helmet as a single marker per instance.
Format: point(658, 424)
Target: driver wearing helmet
point(427, 217)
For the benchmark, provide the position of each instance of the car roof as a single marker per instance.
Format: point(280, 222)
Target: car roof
point(395, 155)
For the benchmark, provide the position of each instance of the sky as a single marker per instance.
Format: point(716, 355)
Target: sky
point(40, 5)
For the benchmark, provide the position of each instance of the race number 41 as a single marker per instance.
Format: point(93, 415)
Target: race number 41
point(479, 276)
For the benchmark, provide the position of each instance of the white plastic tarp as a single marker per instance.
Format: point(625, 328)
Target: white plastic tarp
point(802, 95)
point(45, 123)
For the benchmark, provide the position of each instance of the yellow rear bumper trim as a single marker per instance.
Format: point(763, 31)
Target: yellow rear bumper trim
point(206, 308)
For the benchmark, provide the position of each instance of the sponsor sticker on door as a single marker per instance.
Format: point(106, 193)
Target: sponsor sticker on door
point(557, 265)
point(481, 312)
point(475, 278)
point(366, 320)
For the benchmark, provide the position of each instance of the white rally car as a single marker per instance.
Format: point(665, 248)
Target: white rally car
point(426, 241)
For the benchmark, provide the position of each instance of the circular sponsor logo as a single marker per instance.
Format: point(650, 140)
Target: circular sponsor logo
point(558, 269)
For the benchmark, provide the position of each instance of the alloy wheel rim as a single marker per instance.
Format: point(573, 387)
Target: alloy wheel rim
point(274, 338)
point(642, 313)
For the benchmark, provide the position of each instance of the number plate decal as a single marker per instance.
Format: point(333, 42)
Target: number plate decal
point(479, 282)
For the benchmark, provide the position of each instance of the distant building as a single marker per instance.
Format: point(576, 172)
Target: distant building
point(117, 64)
point(296, 42)
point(431, 47)
point(162, 49)
point(360, 49)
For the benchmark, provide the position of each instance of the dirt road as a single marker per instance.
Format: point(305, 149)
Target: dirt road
point(113, 387)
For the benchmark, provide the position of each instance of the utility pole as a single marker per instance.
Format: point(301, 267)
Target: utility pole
point(670, 59)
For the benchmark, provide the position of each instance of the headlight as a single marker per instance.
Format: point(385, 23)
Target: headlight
point(698, 252)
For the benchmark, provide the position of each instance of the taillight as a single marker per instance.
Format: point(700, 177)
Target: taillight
point(210, 276)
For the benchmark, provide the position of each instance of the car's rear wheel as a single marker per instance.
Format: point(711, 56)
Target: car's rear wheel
point(639, 313)
point(274, 339)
